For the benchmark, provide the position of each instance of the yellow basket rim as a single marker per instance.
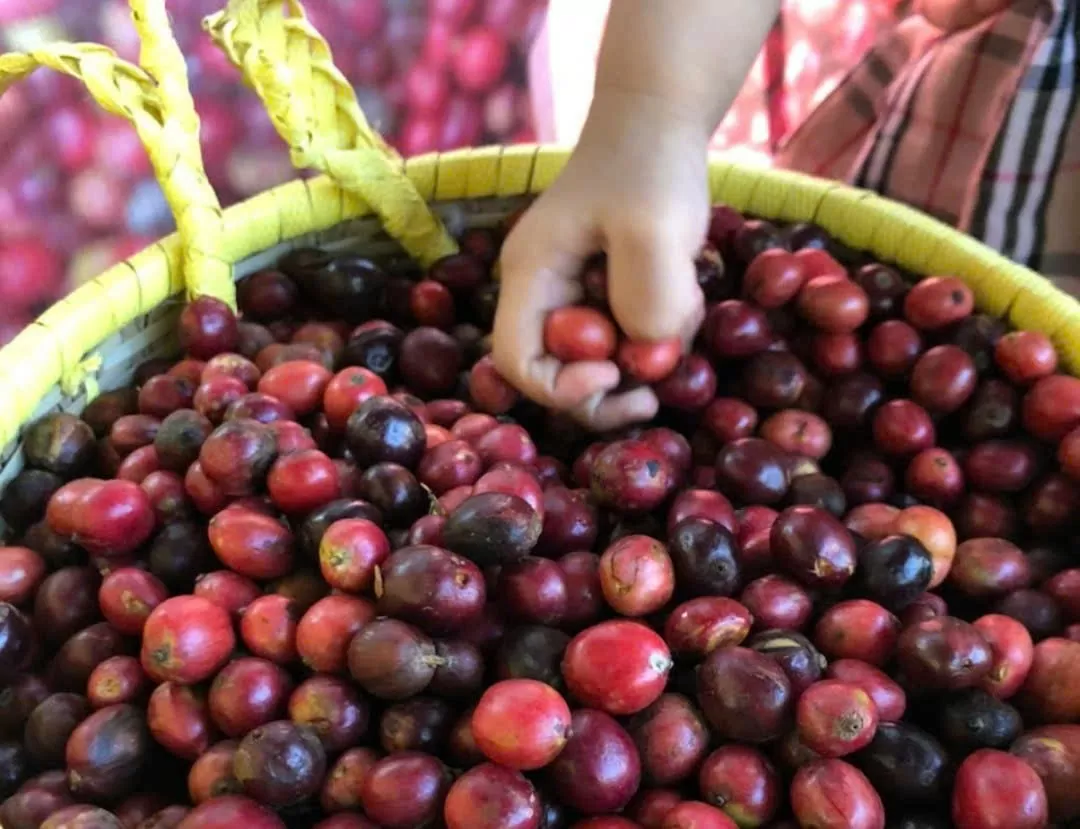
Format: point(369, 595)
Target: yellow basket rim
point(58, 347)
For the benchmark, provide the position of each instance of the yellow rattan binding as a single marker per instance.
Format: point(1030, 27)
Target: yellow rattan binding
point(312, 105)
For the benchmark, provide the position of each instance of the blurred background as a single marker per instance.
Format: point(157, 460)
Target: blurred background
point(77, 195)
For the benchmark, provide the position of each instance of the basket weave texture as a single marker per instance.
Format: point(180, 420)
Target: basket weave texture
point(370, 200)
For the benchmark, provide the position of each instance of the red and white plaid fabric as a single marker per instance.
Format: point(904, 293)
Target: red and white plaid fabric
point(977, 127)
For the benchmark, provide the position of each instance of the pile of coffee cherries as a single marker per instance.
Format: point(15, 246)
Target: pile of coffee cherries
point(77, 193)
point(330, 570)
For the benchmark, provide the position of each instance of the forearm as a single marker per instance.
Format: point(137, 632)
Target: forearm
point(684, 58)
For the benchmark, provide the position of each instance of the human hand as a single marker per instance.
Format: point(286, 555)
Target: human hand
point(637, 188)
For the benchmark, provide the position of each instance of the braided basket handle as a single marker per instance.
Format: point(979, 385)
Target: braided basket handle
point(156, 100)
point(314, 109)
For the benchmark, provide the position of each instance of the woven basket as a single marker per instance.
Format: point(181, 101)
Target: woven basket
point(370, 200)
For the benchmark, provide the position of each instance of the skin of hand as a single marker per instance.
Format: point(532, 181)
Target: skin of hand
point(635, 187)
point(651, 222)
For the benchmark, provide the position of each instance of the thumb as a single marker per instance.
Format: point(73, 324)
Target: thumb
point(652, 284)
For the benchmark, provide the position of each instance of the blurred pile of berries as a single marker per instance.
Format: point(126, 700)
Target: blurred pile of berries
point(77, 193)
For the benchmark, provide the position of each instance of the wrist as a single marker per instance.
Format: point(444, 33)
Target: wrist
point(618, 114)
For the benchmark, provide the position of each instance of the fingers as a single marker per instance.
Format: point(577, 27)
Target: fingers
point(540, 266)
point(576, 383)
point(652, 282)
point(607, 412)
point(653, 293)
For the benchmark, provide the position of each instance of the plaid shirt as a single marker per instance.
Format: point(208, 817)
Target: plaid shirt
point(976, 127)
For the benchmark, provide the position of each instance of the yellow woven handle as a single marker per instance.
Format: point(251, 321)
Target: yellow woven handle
point(179, 166)
point(155, 99)
point(314, 108)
